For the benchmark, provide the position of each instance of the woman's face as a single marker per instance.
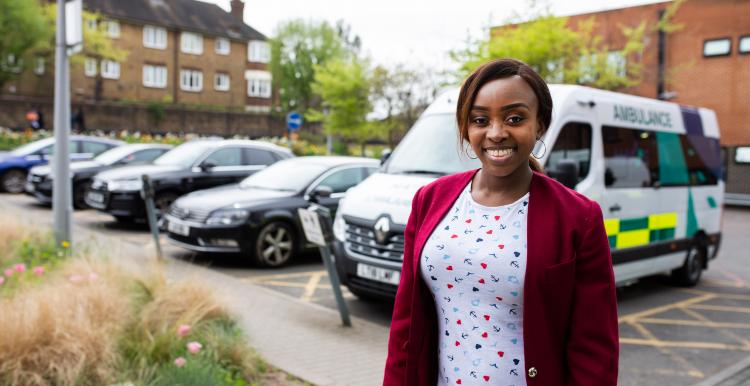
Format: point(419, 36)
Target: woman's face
point(503, 125)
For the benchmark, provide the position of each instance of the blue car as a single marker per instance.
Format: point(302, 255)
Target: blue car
point(15, 165)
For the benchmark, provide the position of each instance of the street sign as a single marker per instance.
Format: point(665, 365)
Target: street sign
point(74, 26)
point(311, 226)
point(293, 121)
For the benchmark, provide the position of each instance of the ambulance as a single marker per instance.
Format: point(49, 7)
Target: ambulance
point(654, 167)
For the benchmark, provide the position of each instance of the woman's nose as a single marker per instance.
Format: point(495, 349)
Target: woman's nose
point(496, 131)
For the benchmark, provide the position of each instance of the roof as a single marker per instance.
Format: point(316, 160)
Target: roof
point(330, 161)
point(187, 15)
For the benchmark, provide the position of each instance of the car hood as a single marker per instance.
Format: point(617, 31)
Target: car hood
point(381, 194)
point(229, 196)
point(135, 171)
point(7, 156)
point(80, 166)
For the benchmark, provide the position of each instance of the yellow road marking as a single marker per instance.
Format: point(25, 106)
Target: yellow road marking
point(694, 323)
point(717, 295)
point(689, 369)
point(311, 286)
point(710, 307)
point(721, 330)
point(657, 310)
point(683, 344)
point(284, 276)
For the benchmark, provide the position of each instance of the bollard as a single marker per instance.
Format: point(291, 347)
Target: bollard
point(147, 193)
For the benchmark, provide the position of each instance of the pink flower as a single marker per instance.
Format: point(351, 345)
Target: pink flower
point(179, 362)
point(9, 272)
point(75, 278)
point(39, 271)
point(183, 330)
point(20, 268)
point(194, 347)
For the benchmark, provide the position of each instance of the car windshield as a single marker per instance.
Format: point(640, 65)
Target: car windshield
point(431, 147)
point(33, 147)
point(291, 175)
point(111, 156)
point(184, 155)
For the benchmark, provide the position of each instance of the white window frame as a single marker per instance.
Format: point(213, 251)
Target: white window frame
point(191, 43)
point(90, 67)
point(617, 61)
point(154, 76)
point(717, 47)
point(258, 83)
point(258, 51)
point(191, 80)
point(221, 86)
point(154, 37)
point(112, 28)
point(743, 45)
point(222, 46)
point(39, 65)
point(110, 69)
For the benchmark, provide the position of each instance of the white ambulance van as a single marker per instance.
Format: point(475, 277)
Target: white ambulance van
point(654, 167)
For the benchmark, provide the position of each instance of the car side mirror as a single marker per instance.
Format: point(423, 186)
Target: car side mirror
point(206, 166)
point(319, 192)
point(566, 172)
point(384, 156)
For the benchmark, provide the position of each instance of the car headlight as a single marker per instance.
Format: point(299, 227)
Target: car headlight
point(228, 217)
point(125, 185)
point(339, 226)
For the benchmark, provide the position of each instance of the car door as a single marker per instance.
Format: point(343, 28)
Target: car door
point(255, 159)
point(222, 166)
point(339, 180)
point(144, 156)
point(87, 149)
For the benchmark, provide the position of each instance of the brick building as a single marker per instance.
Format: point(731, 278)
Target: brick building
point(706, 63)
point(202, 67)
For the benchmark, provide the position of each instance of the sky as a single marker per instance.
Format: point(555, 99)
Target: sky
point(415, 33)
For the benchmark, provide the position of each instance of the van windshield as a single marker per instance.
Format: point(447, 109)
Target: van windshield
point(431, 147)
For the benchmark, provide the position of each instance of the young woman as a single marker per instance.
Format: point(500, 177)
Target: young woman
point(507, 275)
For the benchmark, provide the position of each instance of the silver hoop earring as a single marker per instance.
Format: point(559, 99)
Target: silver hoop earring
point(470, 157)
point(543, 153)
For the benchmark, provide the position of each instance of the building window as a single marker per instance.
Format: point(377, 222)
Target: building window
point(110, 69)
point(222, 46)
point(154, 37)
point(587, 67)
point(258, 83)
point(91, 24)
point(191, 80)
point(112, 28)
point(221, 82)
point(89, 67)
point(616, 62)
point(742, 155)
point(717, 47)
point(258, 51)
point(154, 76)
point(192, 43)
point(744, 45)
point(39, 66)
point(12, 64)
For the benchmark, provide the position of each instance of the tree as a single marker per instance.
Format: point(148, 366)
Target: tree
point(297, 49)
point(22, 27)
point(563, 54)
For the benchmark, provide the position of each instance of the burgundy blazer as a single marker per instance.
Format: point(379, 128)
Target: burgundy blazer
point(570, 308)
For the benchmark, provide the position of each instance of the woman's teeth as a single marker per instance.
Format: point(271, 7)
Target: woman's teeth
point(499, 152)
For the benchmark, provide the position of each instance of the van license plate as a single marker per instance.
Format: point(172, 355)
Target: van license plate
point(378, 274)
point(179, 228)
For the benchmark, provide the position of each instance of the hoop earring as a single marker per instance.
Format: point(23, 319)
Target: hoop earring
point(543, 153)
point(470, 157)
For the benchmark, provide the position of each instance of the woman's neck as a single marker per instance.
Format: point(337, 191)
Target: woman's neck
point(492, 190)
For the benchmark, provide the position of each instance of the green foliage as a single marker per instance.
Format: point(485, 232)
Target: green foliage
point(156, 111)
point(296, 49)
point(22, 28)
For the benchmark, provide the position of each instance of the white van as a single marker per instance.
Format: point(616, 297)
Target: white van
point(654, 167)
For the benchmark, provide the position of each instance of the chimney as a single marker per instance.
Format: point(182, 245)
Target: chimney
point(238, 10)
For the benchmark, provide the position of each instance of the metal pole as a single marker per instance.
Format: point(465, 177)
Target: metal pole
point(326, 222)
point(147, 192)
point(61, 203)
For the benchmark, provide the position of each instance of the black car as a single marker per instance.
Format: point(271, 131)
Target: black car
point(194, 165)
point(39, 181)
point(258, 217)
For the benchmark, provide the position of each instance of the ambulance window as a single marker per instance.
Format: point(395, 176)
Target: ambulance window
point(630, 157)
point(702, 158)
point(573, 143)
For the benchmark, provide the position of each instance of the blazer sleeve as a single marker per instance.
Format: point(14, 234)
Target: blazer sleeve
point(398, 342)
point(593, 343)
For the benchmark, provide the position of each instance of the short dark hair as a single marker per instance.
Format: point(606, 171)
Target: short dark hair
point(500, 69)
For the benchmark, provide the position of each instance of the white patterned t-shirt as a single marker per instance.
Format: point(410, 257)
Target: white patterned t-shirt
point(474, 264)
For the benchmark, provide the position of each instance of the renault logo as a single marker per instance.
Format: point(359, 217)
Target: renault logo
point(382, 227)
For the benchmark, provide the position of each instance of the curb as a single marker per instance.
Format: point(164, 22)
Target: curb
point(725, 375)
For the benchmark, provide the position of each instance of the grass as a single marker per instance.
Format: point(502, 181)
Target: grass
point(85, 321)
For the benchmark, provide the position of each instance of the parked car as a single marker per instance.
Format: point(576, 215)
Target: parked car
point(15, 165)
point(39, 182)
point(192, 166)
point(258, 217)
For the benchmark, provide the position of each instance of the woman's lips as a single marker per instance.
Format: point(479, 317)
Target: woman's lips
point(499, 155)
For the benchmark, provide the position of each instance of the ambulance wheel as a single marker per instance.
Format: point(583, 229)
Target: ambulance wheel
point(690, 273)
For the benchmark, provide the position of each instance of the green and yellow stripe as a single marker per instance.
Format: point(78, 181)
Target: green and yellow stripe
point(633, 232)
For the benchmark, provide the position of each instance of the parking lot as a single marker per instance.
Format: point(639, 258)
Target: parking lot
point(668, 335)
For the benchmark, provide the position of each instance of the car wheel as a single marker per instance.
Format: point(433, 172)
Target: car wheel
point(163, 201)
point(690, 273)
point(79, 195)
point(275, 245)
point(13, 181)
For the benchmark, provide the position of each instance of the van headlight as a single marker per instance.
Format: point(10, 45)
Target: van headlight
point(228, 217)
point(125, 185)
point(339, 226)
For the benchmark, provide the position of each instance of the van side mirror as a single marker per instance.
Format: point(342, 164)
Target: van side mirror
point(566, 172)
point(384, 156)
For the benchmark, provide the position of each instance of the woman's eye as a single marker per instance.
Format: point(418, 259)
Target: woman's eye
point(479, 120)
point(514, 120)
